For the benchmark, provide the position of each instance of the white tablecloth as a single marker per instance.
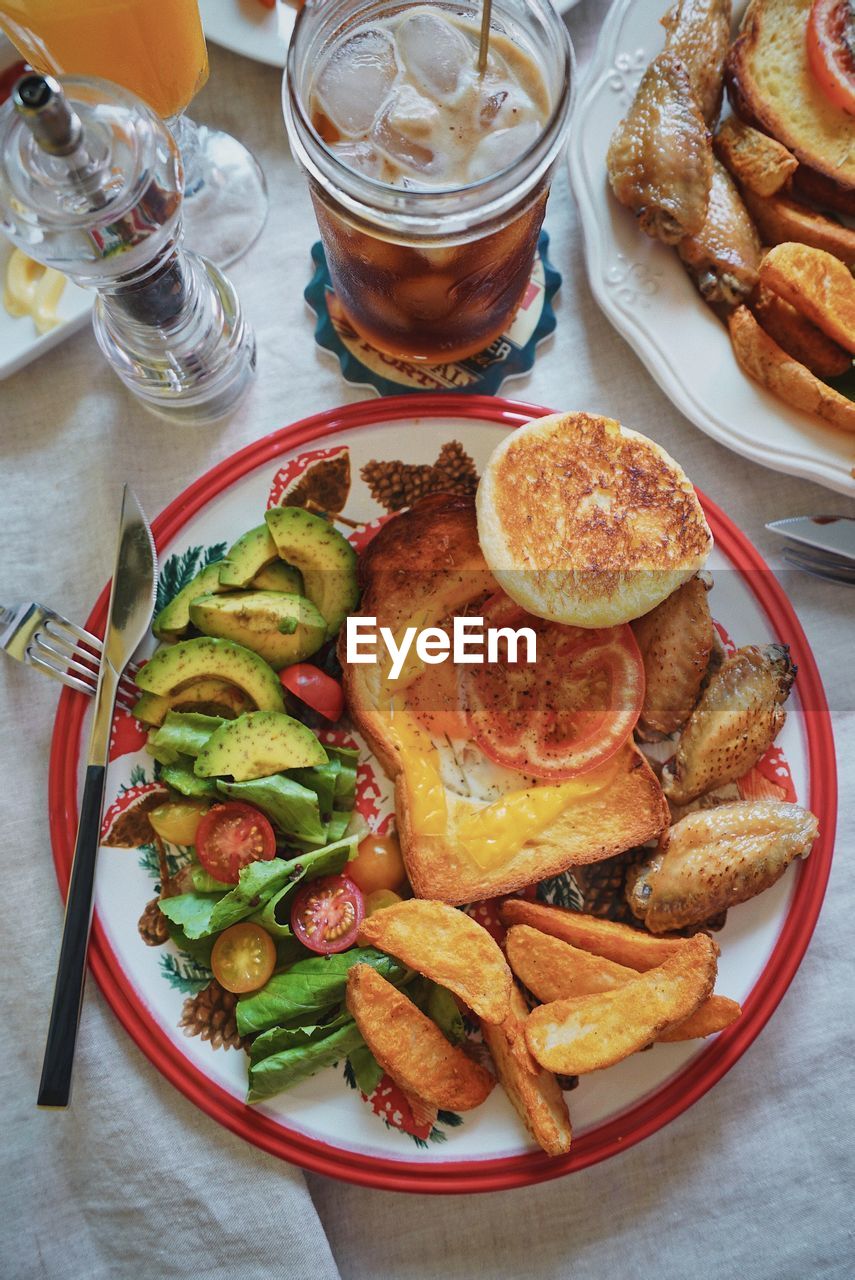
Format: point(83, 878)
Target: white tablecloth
point(755, 1181)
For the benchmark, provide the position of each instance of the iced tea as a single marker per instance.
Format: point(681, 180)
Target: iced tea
point(430, 179)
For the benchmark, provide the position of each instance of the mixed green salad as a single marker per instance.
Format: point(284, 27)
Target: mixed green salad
point(282, 869)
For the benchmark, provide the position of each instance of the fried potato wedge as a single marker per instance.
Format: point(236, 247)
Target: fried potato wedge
point(534, 1091)
point(798, 336)
point(555, 970)
point(618, 942)
point(756, 161)
point(448, 946)
point(716, 1013)
point(588, 1033)
point(767, 363)
point(779, 219)
point(411, 1048)
point(817, 284)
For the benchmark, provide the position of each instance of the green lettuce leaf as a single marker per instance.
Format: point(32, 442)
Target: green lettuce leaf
point(191, 912)
point(180, 777)
point(278, 1039)
point(275, 917)
point(289, 805)
point(367, 1071)
point(320, 778)
point(309, 988)
point(183, 733)
point(284, 1070)
point(442, 1008)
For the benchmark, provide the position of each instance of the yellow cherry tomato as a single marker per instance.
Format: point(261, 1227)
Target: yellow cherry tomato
point(378, 864)
point(176, 821)
point(243, 958)
point(379, 899)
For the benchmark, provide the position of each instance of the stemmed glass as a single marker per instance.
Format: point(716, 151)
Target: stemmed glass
point(155, 48)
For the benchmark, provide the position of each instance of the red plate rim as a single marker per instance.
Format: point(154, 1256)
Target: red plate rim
point(498, 1173)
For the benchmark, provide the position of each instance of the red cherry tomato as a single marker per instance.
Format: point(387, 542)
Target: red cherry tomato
point(232, 835)
point(243, 958)
point(10, 77)
point(314, 687)
point(327, 913)
point(564, 714)
point(831, 50)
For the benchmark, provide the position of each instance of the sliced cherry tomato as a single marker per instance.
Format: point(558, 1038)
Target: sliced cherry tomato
point(314, 687)
point(564, 714)
point(378, 864)
point(10, 77)
point(232, 835)
point(380, 899)
point(243, 958)
point(327, 913)
point(831, 50)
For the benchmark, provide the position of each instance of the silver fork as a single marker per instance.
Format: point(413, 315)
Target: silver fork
point(821, 564)
point(41, 638)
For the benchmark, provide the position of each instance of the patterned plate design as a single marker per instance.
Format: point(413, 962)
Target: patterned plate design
point(325, 1124)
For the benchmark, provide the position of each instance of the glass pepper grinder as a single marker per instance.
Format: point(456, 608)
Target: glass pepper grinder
point(91, 184)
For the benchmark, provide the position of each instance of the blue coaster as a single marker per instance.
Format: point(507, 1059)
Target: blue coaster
point(482, 374)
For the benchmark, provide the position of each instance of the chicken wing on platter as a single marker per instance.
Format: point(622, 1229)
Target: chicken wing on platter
point(716, 858)
point(736, 720)
point(660, 156)
point(699, 35)
point(675, 639)
point(723, 259)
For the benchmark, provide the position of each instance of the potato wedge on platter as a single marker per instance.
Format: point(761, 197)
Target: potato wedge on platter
point(448, 947)
point(587, 1033)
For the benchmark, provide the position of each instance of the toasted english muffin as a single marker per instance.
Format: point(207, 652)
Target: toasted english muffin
point(770, 85)
point(586, 522)
point(426, 563)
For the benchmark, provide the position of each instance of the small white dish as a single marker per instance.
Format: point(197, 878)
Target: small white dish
point(249, 28)
point(646, 294)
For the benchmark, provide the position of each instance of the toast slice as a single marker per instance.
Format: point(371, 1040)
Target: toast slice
point(770, 85)
point(470, 829)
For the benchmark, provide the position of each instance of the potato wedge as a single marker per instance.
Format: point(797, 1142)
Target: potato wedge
point(555, 970)
point(779, 219)
point(411, 1048)
point(797, 335)
point(617, 942)
point(766, 362)
point(534, 1091)
point(817, 284)
point(448, 946)
point(756, 161)
point(588, 1033)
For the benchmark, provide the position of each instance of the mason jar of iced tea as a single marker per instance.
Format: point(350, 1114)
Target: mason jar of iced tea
point(429, 177)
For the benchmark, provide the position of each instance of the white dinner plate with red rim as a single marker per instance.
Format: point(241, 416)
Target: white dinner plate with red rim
point(645, 292)
point(323, 1124)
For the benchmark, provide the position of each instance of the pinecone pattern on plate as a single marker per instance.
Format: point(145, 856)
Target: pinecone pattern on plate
point(603, 886)
point(152, 925)
point(395, 485)
point(211, 1015)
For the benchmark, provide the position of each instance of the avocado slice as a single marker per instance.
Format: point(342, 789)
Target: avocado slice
point(258, 744)
point(214, 697)
point(174, 618)
point(206, 656)
point(279, 576)
point(280, 628)
point(249, 555)
point(326, 560)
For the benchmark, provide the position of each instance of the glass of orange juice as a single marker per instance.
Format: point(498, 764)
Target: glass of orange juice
point(155, 48)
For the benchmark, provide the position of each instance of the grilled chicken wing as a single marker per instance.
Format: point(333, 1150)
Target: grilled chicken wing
point(699, 35)
point(724, 257)
point(736, 720)
point(660, 156)
point(675, 640)
point(716, 858)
